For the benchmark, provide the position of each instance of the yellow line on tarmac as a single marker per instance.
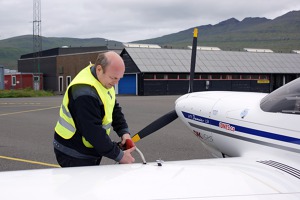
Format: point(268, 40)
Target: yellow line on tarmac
point(29, 161)
point(29, 111)
point(23, 103)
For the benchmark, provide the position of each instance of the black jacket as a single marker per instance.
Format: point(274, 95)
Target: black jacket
point(88, 111)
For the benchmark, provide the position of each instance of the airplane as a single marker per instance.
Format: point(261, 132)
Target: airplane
point(254, 136)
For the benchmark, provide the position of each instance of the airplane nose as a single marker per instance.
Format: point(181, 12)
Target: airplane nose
point(196, 102)
point(195, 111)
point(181, 98)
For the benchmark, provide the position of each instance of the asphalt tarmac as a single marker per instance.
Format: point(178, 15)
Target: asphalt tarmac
point(27, 126)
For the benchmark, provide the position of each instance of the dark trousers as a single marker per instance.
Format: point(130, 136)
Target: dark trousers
point(68, 161)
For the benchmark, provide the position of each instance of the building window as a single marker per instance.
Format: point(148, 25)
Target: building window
point(215, 76)
point(36, 78)
point(197, 76)
point(13, 80)
point(61, 70)
point(60, 83)
point(148, 76)
point(172, 76)
point(204, 76)
point(159, 76)
point(246, 76)
point(183, 76)
point(255, 76)
point(235, 76)
point(68, 81)
point(264, 77)
point(223, 76)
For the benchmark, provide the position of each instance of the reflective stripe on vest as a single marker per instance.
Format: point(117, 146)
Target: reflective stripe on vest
point(65, 111)
point(107, 126)
point(65, 126)
point(63, 122)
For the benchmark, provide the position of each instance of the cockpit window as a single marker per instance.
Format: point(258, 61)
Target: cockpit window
point(285, 99)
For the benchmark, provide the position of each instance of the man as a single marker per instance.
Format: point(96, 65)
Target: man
point(88, 111)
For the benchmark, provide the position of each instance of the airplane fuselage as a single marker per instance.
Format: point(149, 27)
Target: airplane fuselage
point(233, 124)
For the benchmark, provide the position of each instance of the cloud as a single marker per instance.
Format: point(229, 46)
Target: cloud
point(128, 20)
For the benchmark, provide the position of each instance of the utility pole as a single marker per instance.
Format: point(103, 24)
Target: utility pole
point(37, 40)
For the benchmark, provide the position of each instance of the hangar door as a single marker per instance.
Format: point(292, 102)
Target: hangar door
point(127, 85)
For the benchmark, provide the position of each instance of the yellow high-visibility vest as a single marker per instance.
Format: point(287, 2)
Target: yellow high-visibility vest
point(65, 126)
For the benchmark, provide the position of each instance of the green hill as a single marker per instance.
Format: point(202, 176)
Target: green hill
point(12, 48)
point(280, 34)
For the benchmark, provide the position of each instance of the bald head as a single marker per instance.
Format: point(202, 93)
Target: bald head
point(109, 58)
point(110, 68)
point(115, 61)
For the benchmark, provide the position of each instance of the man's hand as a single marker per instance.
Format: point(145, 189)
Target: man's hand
point(127, 157)
point(125, 137)
point(129, 147)
point(126, 142)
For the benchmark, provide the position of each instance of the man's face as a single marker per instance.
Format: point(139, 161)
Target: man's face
point(110, 77)
point(113, 72)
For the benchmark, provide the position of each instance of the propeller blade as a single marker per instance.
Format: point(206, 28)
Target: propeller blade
point(193, 61)
point(156, 125)
point(170, 116)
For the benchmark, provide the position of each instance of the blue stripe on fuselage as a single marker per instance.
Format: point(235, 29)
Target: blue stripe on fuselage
point(241, 129)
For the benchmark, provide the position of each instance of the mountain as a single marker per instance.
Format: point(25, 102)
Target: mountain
point(280, 34)
point(12, 48)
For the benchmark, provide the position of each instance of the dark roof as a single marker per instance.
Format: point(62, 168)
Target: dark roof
point(178, 60)
point(64, 51)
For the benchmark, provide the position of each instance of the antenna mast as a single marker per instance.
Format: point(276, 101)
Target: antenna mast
point(37, 39)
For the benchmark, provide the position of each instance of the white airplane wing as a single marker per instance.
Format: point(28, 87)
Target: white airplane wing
point(213, 179)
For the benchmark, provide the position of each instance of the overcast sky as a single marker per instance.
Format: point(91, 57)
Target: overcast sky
point(129, 20)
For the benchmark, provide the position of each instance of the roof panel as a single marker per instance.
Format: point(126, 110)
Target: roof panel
point(138, 61)
point(147, 62)
point(170, 62)
point(212, 61)
point(176, 69)
point(225, 69)
point(143, 68)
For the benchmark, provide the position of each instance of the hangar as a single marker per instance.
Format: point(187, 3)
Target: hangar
point(159, 71)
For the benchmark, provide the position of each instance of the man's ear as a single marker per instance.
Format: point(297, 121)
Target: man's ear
point(99, 68)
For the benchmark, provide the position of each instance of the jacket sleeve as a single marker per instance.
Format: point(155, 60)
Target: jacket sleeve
point(87, 114)
point(119, 123)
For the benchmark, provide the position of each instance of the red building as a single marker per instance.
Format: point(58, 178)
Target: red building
point(23, 80)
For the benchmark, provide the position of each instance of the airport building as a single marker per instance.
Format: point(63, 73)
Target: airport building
point(20, 80)
point(159, 71)
point(59, 65)
point(1, 77)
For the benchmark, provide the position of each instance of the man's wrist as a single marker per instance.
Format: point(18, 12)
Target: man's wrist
point(123, 132)
point(120, 156)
